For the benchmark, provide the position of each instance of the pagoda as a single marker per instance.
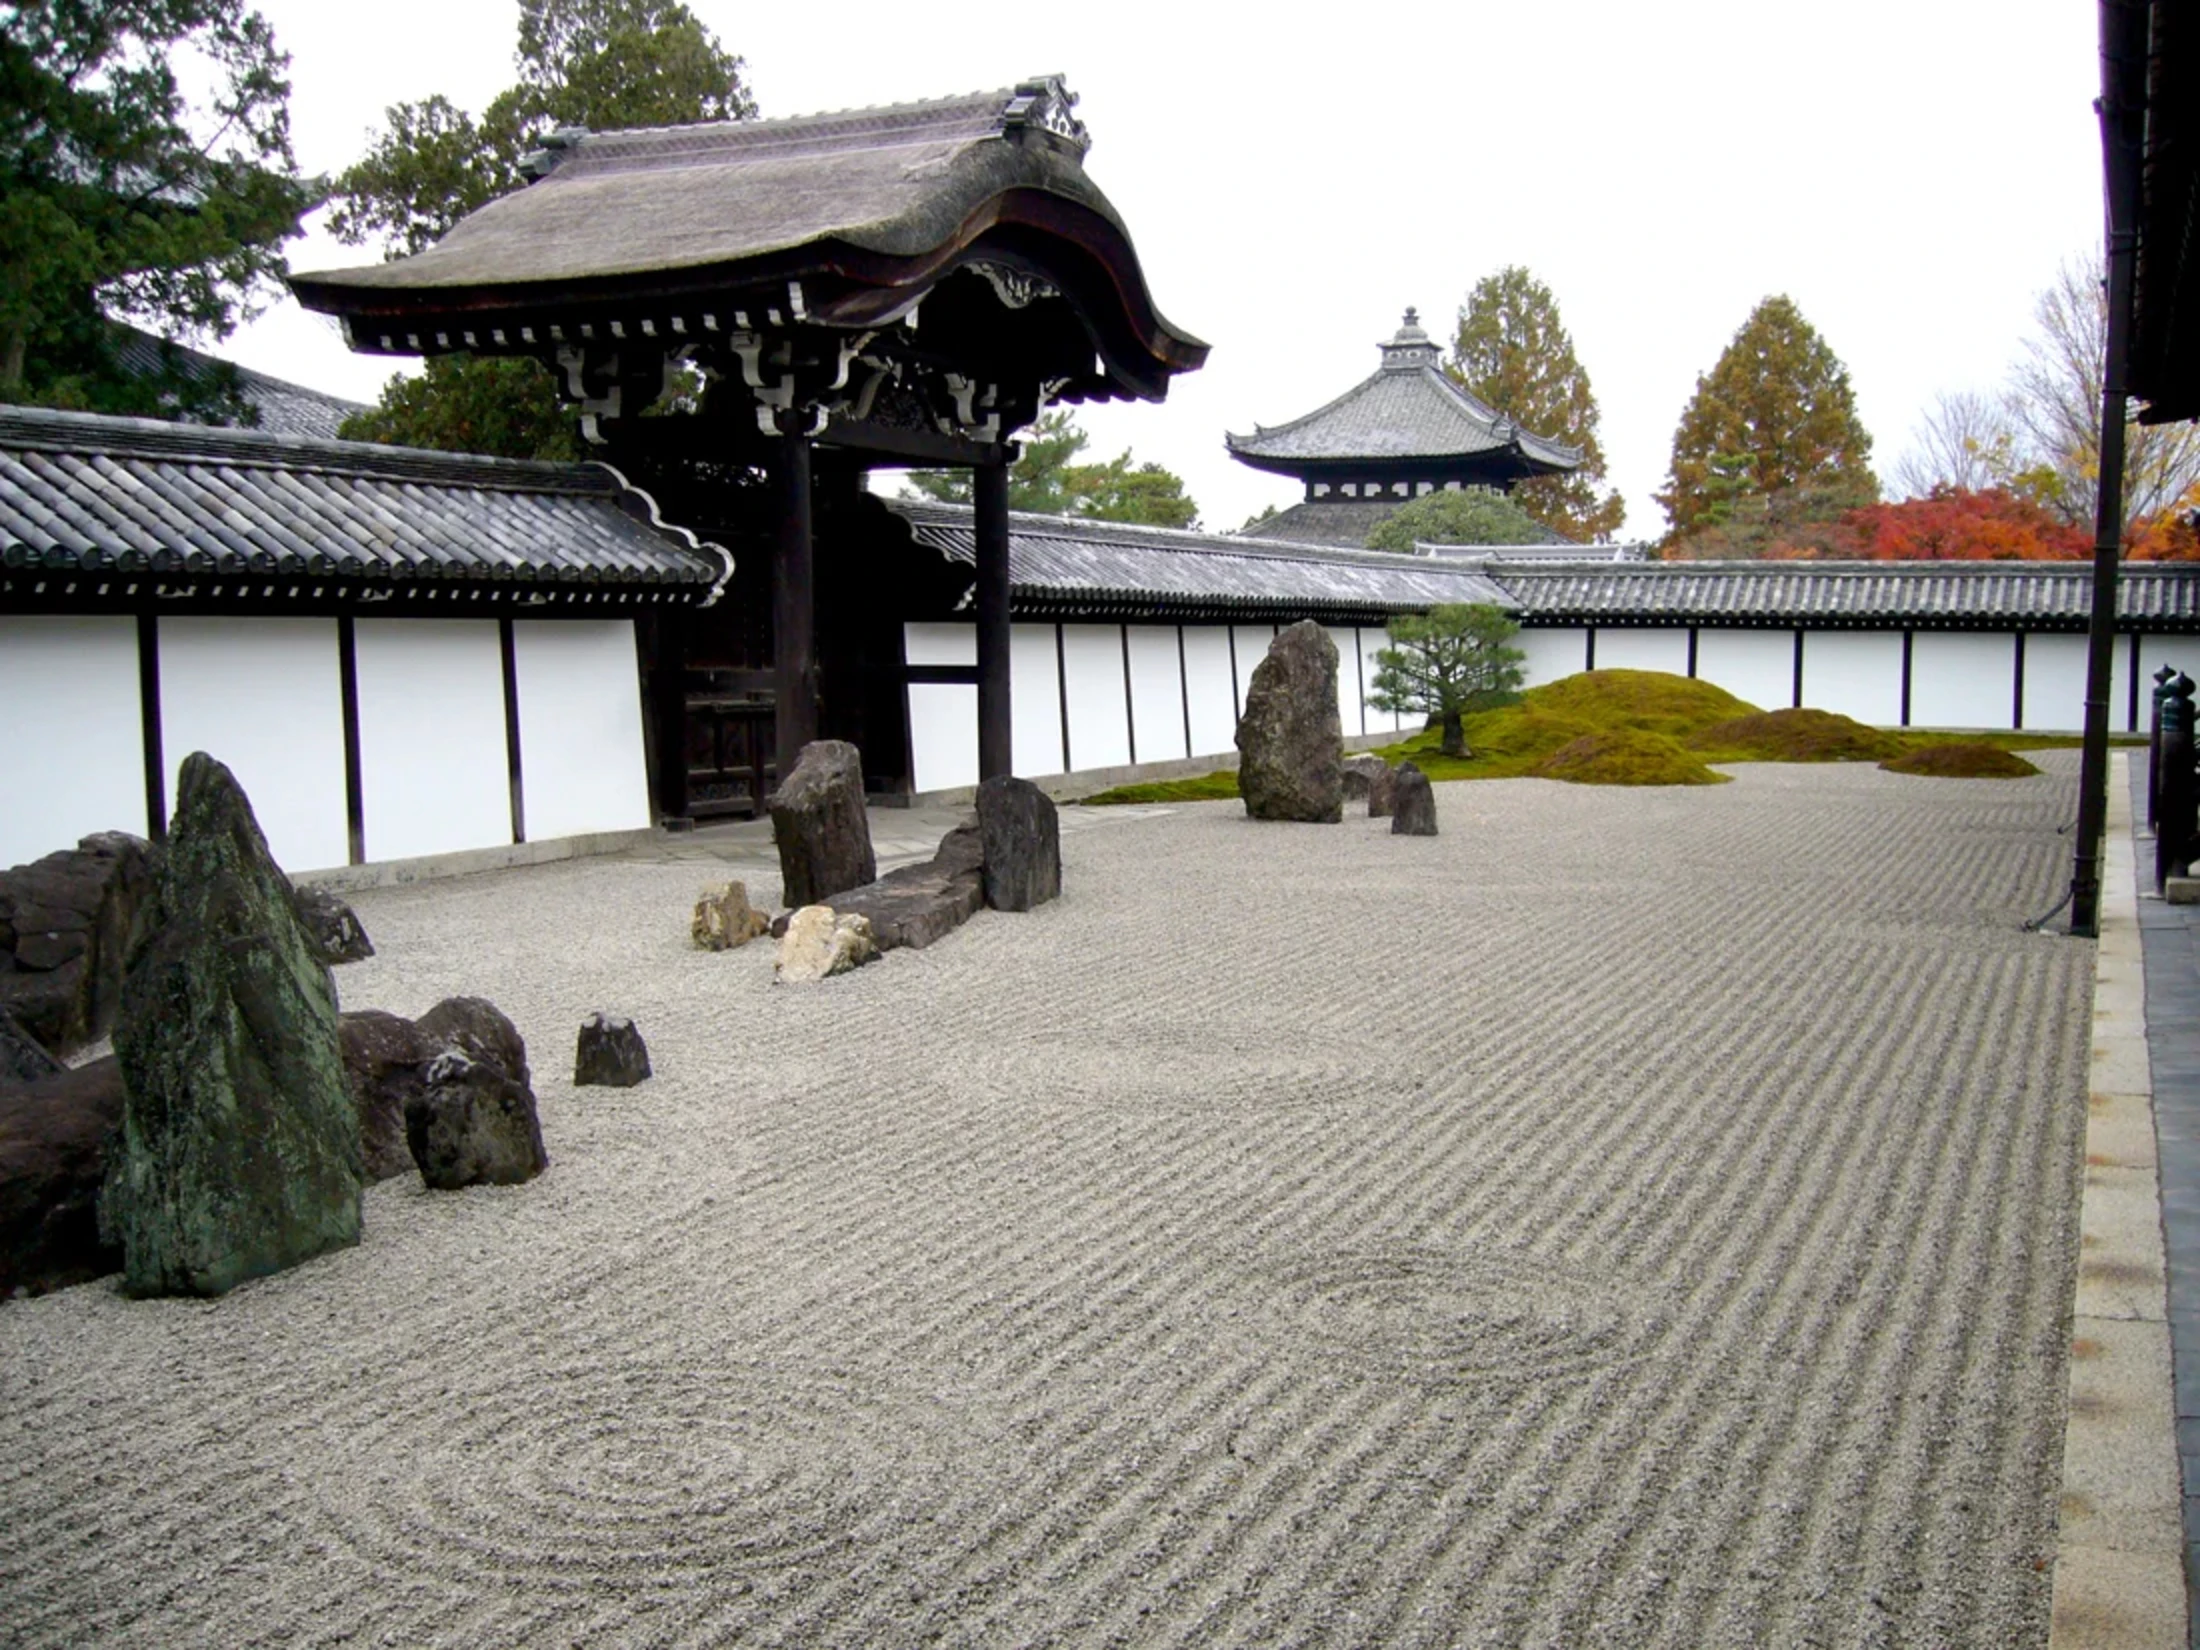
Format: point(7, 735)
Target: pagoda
point(1405, 431)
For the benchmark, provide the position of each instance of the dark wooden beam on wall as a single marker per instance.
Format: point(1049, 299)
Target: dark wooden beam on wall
point(355, 796)
point(794, 601)
point(996, 716)
point(156, 766)
point(508, 648)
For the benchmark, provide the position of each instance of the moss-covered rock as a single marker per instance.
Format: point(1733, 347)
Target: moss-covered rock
point(1625, 757)
point(1962, 760)
point(239, 1149)
point(1802, 735)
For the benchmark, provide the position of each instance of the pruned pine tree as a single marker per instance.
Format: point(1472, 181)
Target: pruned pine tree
point(1449, 663)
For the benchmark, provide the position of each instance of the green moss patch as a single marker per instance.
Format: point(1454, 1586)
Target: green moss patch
point(1626, 756)
point(1794, 736)
point(1964, 760)
point(1220, 786)
point(1513, 742)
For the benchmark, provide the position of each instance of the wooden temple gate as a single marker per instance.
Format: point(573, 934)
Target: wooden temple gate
point(884, 288)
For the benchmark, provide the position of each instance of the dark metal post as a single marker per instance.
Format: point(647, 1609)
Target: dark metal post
point(668, 719)
point(2123, 123)
point(2162, 680)
point(794, 603)
point(2180, 822)
point(995, 721)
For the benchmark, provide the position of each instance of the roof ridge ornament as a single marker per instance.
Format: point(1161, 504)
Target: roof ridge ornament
point(1043, 104)
point(556, 145)
point(1411, 347)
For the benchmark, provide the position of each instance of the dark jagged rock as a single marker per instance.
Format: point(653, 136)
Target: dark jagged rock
point(1361, 774)
point(65, 924)
point(1416, 810)
point(1022, 837)
point(1382, 794)
point(962, 849)
point(819, 824)
point(610, 1053)
point(238, 1153)
point(478, 1029)
point(915, 905)
point(383, 1059)
point(23, 1058)
point(333, 927)
point(53, 1156)
point(472, 1125)
point(1290, 740)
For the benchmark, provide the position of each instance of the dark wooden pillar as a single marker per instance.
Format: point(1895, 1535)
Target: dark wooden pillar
point(995, 722)
point(665, 691)
point(794, 602)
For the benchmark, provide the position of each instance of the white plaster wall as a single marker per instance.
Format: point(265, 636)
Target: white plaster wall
point(1253, 642)
point(72, 743)
point(1099, 715)
point(433, 772)
point(1962, 679)
point(1346, 641)
point(1372, 643)
point(580, 727)
point(2121, 715)
point(1035, 704)
point(940, 644)
point(1207, 680)
point(1157, 694)
point(1854, 673)
point(1756, 665)
point(1628, 649)
point(1553, 655)
point(264, 697)
point(943, 732)
point(2054, 685)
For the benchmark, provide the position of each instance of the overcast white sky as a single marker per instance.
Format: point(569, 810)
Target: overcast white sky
point(1909, 171)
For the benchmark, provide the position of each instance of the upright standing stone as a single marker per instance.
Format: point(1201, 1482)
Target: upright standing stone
point(1416, 797)
point(239, 1148)
point(824, 835)
point(1290, 740)
point(1360, 773)
point(1022, 837)
point(1382, 793)
point(383, 1059)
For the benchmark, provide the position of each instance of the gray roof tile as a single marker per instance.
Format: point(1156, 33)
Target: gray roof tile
point(79, 491)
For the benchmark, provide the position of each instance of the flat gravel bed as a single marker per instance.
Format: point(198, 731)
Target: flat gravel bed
point(1629, 1218)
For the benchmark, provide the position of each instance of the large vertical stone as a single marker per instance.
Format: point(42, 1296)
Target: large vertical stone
point(1290, 740)
point(818, 821)
point(239, 1149)
point(1022, 843)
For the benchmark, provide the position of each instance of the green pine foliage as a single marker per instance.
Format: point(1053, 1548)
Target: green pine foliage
point(1047, 480)
point(602, 64)
point(1513, 353)
point(1448, 663)
point(1456, 515)
point(145, 174)
point(1776, 415)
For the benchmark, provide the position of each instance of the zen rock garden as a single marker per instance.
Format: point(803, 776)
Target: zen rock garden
point(236, 1125)
point(1291, 762)
point(1005, 855)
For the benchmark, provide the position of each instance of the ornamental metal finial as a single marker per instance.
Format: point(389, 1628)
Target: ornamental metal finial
point(1043, 104)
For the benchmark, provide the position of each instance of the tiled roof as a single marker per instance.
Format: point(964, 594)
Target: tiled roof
point(84, 492)
point(1059, 563)
point(284, 408)
point(1408, 410)
point(1878, 594)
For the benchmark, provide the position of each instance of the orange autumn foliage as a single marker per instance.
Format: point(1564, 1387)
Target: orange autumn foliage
point(2173, 535)
point(1954, 524)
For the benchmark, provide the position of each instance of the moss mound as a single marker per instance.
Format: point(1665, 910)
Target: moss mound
point(1625, 756)
point(1962, 761)
point(1648, 701)
point(1220, 786)
point(1794, 736)
point(1512, 741)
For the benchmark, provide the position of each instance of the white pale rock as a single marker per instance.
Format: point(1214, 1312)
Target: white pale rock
point(819, 944)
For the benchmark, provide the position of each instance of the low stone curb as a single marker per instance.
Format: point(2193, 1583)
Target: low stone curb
point(2119, 1562)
